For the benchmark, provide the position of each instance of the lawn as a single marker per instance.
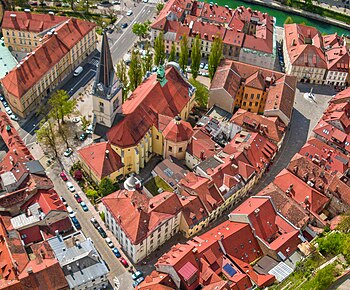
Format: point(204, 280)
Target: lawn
point(155, 183)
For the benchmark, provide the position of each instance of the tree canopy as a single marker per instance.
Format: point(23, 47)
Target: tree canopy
point(196, 57)
point(140, 29)
point(159, 49)
point(172, 53)
point(61, 105)
point(106, 187)
point(215, 56)
point(135, 70)
point(123, 78)
point(183, 60)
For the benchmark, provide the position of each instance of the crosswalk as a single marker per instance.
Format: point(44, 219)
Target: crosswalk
point(94, 61)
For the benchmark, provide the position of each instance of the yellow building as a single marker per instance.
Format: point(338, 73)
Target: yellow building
point(139, 131)
point(37, 75)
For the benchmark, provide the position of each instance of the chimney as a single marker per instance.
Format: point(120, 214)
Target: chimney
point(202, 155)
point(107, 154)
point(30, 270)
point(151, 205)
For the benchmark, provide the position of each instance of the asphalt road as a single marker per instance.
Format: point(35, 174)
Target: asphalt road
point(116, 268)
point(122, 40)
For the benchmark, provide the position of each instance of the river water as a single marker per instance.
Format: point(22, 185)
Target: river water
point(281, 16)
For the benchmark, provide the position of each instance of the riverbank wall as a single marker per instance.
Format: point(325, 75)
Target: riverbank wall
point(299, 12)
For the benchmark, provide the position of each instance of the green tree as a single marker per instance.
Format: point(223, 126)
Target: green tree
point(92, 194)
point(331, 243)
point(196, 56)
point(215, 56)
point(202, 93)
point(140, 29)
point(61, 105)
point(324, 277)
point(172, 53)
point(183, 60)
point(159, 7)
point(344, 225)
point(84, 123)
point(47, 135)
point(106, 187)
point(123, 78)
point(308, 3)
point(159, 49)
point(135, 70)
point(147, 61)
point(289, 20)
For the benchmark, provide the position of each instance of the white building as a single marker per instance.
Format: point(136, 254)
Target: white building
point(139, 223)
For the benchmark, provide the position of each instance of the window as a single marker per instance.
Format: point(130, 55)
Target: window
point(251, 96)
point(170, 148)
point(258, 96)
point(256, 104)
point(102, 107)
point(250, 104)
point(244, 104)
point(180, 149)
point(157, 137)
point(246, 96)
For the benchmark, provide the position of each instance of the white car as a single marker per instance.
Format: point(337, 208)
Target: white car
point(78, 71)
point(145, 1)
point(8, 110)
point(109, 243)
point(70, 211)
point(14, 117)
point(68, 152)
point(129, 13)
point(70, 186)
point(90, 129)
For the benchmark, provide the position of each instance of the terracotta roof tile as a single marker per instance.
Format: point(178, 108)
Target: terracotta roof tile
point(178, 131)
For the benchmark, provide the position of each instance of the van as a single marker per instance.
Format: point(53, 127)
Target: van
point(78, 71)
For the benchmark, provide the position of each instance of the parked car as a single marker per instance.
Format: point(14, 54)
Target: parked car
point(109, 242)
point(5, 104)
point(68, 152)
point(116, 252)
point(78, 71)
point(136, 275)
point(63, 201)
point(78, 198)
point(95, 223)
point(89, 129)
point(63, 176)
point(2, 98)
point(83, 137)
point(70, 186)
point(125, 25)
point(116, 2)
point(14, 117)
point(206, 66)
point(202, 65)
point(129, 13)
point(8, 110)
point(137, 282)
point(124, 262)
point(76, 223)
point(84, 206)
point(76, 120)
point(70, 211)
point(102, 232)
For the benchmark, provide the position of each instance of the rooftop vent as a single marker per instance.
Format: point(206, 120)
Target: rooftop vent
point(27, 10)
point(51, 13)
point(13, 15)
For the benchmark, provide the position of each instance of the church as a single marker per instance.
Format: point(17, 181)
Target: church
point(151, 121)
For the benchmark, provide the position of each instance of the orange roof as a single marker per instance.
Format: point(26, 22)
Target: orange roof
point(138, 215)
point(201, 145)
point(178, 130)
point(31, 22)
point(342, 97)
point(305, 195)
point(271, 127)
point(54, 47)
point(99, 161)
point(142, 108)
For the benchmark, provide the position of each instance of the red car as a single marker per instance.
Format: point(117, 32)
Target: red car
point(63, 176)
point(78, 198)
point(124, 262)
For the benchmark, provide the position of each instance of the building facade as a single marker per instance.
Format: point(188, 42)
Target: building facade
point(62, 49)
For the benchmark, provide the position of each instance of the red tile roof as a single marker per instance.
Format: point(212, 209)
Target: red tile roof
point(341, 97)
point(304, 46)
point(178, 131)
point(31, 22)
point(305, 195)
point(193, 210)
point(230, 75)
point(141, 109)
point(99, 161)
point(271, 127)
point(331, 159)
point(287, 206)
point(157, 281)
point(54, 47)
point(138, 215)
point(201, 145)
point(268, 225)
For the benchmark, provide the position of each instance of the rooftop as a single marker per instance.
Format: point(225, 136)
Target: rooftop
point(7, 61)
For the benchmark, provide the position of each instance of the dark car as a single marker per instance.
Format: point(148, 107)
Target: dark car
point(116, 252)
point(78, 198)
point(125, 25)
point(102, 232)
point(76, 223)
point(95, 223)
point(83, 137)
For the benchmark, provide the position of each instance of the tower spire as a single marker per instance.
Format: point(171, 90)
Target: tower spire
point(105, 71)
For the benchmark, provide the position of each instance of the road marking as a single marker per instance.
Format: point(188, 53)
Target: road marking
point(129, 26)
